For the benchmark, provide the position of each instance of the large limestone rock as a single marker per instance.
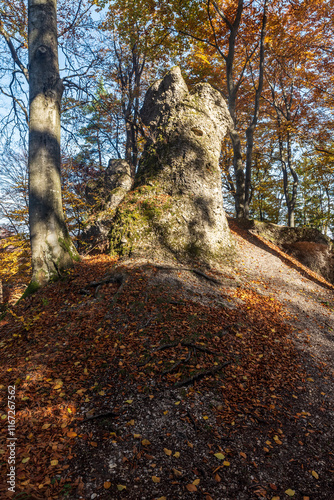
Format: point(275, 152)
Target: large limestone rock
point(109, 188)
point(104, 194)
point(176, 208)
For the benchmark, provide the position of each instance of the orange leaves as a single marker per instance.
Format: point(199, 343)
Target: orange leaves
point(71, 434)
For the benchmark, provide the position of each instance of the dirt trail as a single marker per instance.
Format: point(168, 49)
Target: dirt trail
point(306, 296)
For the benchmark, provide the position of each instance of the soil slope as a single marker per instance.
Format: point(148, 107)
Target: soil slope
point(154, 380)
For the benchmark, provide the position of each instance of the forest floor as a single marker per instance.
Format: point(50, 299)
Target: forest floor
point(138, 380)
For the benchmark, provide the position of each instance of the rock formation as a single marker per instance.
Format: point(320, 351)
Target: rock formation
point(104, 194)
point(176, 207)
point(306, 244)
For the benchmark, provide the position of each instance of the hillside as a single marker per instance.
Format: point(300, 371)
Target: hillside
point(141, 380)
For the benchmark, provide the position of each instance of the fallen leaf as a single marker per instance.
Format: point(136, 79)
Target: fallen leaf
point(46, 426)
point(167, 451)
point(315, 475)
point(277, 440)
point(121, 487)
point(220, 456)
point(176, 454)
point(54, 462)
point(156, 479)
point(196, 482)
point(290, 492)
point(191, 487)
point(106, 485)
point(71, 434)
point(145, 442)
point(26, 459)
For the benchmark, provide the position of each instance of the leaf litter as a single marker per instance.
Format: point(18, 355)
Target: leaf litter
point(134, 381)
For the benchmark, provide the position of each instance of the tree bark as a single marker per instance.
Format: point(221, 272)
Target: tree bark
point(251, 129)
point(52, 249)
point(238, 167)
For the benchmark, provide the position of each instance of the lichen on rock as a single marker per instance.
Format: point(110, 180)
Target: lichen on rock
point(176, 207)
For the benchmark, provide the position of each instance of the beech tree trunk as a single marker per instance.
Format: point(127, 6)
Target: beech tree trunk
point(52, 249)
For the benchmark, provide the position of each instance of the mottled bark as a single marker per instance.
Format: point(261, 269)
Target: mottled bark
point(52, 249)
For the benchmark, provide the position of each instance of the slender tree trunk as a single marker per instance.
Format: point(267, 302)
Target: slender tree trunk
point(239, 197)
point(131, 147)
point(52, 249)
point(248, 171)
point(293, 197)
point(251, 129)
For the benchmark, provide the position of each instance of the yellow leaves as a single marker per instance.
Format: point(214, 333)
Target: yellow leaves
point(290, 492)
point(145, 442)
point(58, 384)
point(54, 462)
point(277, 440)
point(46, 426)
point(26, 459)
point(71, 434)
point(202, 57)
point(106, 485)
point(168, 452)
point(14, 264)
point(176, 454)
point(121, 487)
point(220, 456)
point(156, 479)
point(315, 474)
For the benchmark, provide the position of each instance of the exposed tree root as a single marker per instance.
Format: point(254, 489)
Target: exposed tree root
point(195, 271)
point(198, 376)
